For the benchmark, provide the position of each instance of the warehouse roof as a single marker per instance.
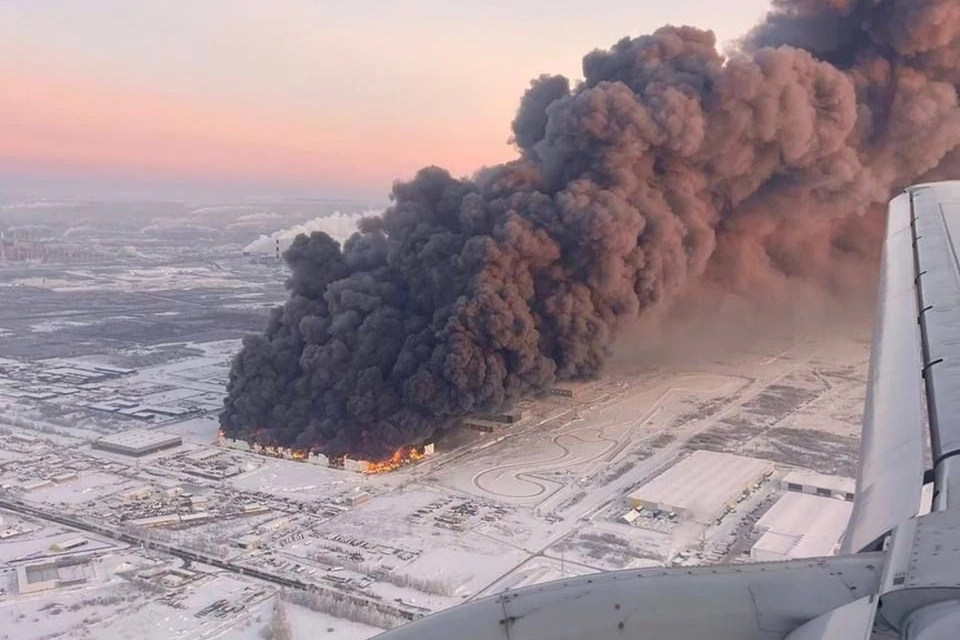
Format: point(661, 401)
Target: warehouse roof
point(802, 525)
point(704, 482)
point(789, 546)
point(139, 439)
point(820, 480)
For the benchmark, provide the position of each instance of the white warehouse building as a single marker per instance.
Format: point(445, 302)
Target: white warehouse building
point(702, 486)
point(819, 484)
point(800, 525)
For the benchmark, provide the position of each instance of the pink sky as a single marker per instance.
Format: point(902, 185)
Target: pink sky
point(348, 95)
point(58, 123)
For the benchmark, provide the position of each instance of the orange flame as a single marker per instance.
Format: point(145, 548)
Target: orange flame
point(271, 451)
point(299, 454)
point(400, 457)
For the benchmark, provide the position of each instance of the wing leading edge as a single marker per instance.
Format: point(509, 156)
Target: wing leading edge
point(890, 477)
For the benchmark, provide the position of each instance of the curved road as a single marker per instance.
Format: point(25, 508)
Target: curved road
point(523, 473)
point(482, 479)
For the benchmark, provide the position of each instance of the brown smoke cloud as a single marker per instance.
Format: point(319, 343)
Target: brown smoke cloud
point(669, 170)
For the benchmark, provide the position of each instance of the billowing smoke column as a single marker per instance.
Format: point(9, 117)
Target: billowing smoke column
point(668, 169)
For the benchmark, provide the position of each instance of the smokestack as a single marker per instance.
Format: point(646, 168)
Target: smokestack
point(668, 171)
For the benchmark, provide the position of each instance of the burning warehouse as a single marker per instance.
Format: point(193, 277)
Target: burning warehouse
point(300, 455)
point(401, 457)
point(484, 426)
point(493, 423)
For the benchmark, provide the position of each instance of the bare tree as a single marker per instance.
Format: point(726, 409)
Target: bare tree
point(279, 627)
point(340, 607)
point(435, 586)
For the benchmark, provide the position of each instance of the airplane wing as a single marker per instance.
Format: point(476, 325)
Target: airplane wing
point(936, 211)
point(899, 573)
point(762, 600)
point(890, 477)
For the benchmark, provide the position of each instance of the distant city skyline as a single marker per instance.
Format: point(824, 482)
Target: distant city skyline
point(287, 97)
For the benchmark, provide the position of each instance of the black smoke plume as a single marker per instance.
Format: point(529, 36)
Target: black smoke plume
point(669, 169)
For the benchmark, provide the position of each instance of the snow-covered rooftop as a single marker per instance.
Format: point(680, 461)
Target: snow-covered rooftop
point(703, 483)
point(139, 440)
point(801, 525)
point(821, 481)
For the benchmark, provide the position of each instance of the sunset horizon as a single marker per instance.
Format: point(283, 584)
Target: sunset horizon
point(271, 109)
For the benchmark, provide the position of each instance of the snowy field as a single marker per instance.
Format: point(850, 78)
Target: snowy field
point(540, 501)
point(303, 622)
point(85, 488)
point(301, 481)
point(575, 441)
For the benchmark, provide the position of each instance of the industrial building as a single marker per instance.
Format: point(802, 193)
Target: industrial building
point(48, 252)
point(312, 457)
point(702, 486)
point(356, 466)
point(231, 443)
point(137, 493)
point(484, 426)
point(819, 484)
point(355, 499)
point(493, 422)
point(164, 520)
point(248, 541)
point(204, 455)
point(800, 525)
point(34, 578)
point(35, 485)
point(137, 442)
point(69, 545)
point(170, 520)
point(568, 389)
point(505, 417)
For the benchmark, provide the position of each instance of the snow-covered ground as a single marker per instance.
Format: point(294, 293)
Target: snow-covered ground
point(86, 487)
point(303, 622)
point(297, 480)
point(540, 501)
